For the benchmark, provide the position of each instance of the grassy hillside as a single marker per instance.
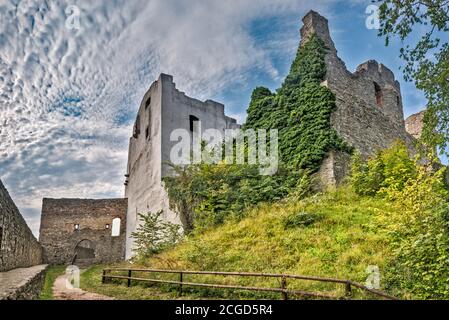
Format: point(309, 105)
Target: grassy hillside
point(337, 234)
point(394, 214)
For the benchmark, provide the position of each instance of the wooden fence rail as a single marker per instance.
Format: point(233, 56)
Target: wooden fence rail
point(283, 290)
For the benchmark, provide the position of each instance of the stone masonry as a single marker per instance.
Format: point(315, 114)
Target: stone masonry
point(369, 117)
point(22, 283)
point(414, 124)
point(18, 247)
point(80, 231)
point(163, 109)
point(369, 114)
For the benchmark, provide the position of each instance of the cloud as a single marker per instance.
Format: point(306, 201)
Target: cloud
point(68, 96)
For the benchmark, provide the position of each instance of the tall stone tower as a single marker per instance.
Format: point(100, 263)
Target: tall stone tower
point(369, 114)
point(163, 110)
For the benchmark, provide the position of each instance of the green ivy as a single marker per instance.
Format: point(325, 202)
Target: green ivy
point(207, 195)
point(301, 110)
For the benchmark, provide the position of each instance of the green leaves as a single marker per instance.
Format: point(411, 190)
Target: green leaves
point(384, 174)
point(419, 231)
point(301, 110)
point(426, 59)
point(208, 195)
point(154, 235)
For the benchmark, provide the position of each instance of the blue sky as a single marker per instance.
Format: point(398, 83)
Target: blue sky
point(68, 96)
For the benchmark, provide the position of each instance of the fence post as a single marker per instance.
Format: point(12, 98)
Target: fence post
point(180, 285)
point(284, 287)
point(129, 278)
point(348, 290)
point(103, 278)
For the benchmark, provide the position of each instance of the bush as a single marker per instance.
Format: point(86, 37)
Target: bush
point(387, 172)
point(419, 231)
point(155, 235)
point(207, 195)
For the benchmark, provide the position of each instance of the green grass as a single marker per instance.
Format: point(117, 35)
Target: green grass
point(52, 273)
point(338, 234)
point(91, 281)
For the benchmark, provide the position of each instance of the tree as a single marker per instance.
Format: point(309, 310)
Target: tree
point(426, 59)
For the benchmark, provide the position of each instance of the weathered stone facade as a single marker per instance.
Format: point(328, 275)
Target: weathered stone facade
point(22, 283)
point(80, 231)
point(414, 124)
point(18, 247)
point(369, 114)
point(163, 110)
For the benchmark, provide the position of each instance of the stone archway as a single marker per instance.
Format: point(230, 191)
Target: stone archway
point(84, 253)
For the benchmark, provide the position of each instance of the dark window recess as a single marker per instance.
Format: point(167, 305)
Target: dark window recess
point(1, 237)
point(148, 130)
point(398, 100)
point(378, 91)
point(192, 120)
point(107, 226)
point(147, 103)
point(136, 130)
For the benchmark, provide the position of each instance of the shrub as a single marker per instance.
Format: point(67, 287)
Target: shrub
point(419, 230)
point(154, 235)
point(206, 195)
point(386, 172)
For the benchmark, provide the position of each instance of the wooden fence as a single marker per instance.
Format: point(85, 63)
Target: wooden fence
point(283, 290)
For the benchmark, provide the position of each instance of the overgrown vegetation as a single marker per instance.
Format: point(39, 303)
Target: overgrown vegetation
point(393, 213)
point(419, 233)
point(154, 235)
point(300, 110)
point(207, 195)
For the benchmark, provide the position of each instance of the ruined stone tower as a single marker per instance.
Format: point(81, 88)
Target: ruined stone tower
point(163, 109)
point(369, 114)
point(369, 117)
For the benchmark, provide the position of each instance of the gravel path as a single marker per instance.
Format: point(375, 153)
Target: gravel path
point(62, 292)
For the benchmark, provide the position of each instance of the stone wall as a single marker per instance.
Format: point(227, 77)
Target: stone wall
point(82, 227)
point(22, 283)
point(414, 124)
point(163, 109)
point(18, 247)
point(369, 114)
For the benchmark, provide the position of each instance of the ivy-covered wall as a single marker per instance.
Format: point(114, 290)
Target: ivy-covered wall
point(206, 195)
point(301, 110)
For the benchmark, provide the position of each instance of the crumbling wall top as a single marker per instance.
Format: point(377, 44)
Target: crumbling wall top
point(314, 23)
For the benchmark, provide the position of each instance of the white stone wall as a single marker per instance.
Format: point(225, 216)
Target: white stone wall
point(170, 109)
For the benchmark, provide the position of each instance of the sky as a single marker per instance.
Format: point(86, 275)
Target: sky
point(73, 73)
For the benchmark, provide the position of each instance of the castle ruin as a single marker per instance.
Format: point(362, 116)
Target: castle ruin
point(369, 114)
point(369, 117)
point(83, 231)
point(163, 110)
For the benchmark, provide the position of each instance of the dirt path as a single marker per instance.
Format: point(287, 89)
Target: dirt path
point(62, 292)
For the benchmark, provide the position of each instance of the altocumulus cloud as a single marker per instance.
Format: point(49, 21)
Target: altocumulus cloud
point(68, 97)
